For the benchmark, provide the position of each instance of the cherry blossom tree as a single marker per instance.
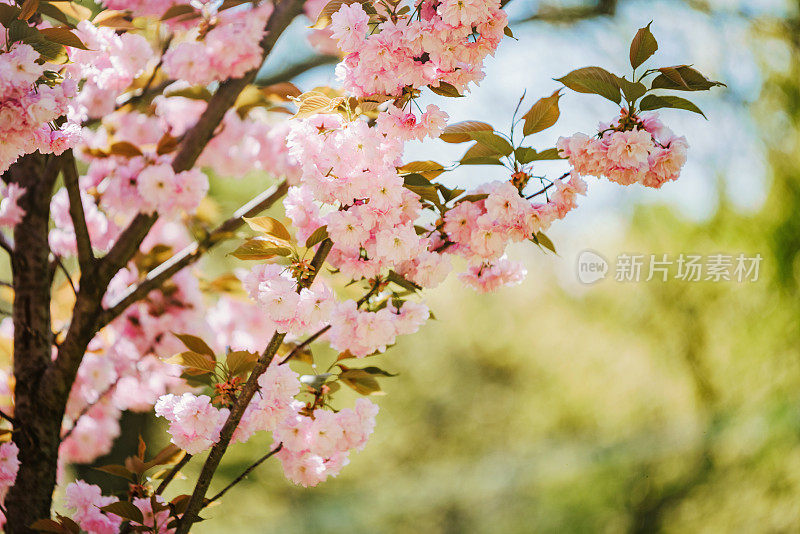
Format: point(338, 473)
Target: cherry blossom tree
point(110, 119)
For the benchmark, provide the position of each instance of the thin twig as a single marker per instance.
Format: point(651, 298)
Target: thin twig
point(8, 418)
point(312, 338)
point(60, 265)
point(245, 473)
point(316, 335)
point(572, 14)
point(76, 213)
point(88, 407)
point(190, 254)
point(172, 473)
point(296, 69)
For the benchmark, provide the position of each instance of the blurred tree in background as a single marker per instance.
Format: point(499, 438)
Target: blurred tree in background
point(650, 407)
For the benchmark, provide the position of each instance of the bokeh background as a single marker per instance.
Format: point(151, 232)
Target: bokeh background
point(560, 407)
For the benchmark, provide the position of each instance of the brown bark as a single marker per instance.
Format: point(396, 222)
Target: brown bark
point(38, 419)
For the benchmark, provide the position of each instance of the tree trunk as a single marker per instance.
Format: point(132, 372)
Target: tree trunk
point(38, 421)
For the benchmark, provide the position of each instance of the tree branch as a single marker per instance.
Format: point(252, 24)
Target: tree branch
point(242, 401)
point(60, 264)
point(196, 139)
point(297, 69)
point(246, 472)
point(190, 254)
point(172, 473)
point(88, 407)
point(572, 14)
point(316, 335)
point(59, 378)
point(70, 171)
point(8, 418)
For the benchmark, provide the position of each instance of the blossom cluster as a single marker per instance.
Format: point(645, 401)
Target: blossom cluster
point(350, 164)
point(647, 152)
point(195, 422)
point(440, 42)
point(28, 106)
point(107, 68)
point(313, 446)
point(145, 8)
point(9, 465)
point(317, 446)
point(229, 49)
point(362, 333)
point(481, 230)
point(86, 500)
point(390, 227)
point(10, 212)
point(273, 287)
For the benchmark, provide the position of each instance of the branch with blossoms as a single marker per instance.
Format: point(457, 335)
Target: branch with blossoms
point(133, 105)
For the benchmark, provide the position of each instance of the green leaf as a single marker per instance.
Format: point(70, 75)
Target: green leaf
point(491, 140)
point(402, 281)
point(259, 248)
point(508, 33)
point(651, 102)
point(543, 114)
point(317, 236)
point(377, 371)
point(429, 169)
point(593, 80)
point(682, 78)
point(241, 361)
point(315, 381)
point(643, 46)
point(193, 93)
point(117, 471)
point(48, 525)
point(416, 180)
point(360, 381)
point(71, 526)
point(543, 241)
point(29, 7)
point(426, 192)
point(125, 149)
point(19, 30)
point(633, 90)
point(8, 14)
point(169, 455)
point(63, 11)
point(447, 193)
point(125, 510)
point(195, 364)
point(271, 227)
point(181, 10)
point(526, 155)
point(459, 132)
point(474, 198)
point(446, 89)
point(419, 185)
point(63, 36)
point(195, 344)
